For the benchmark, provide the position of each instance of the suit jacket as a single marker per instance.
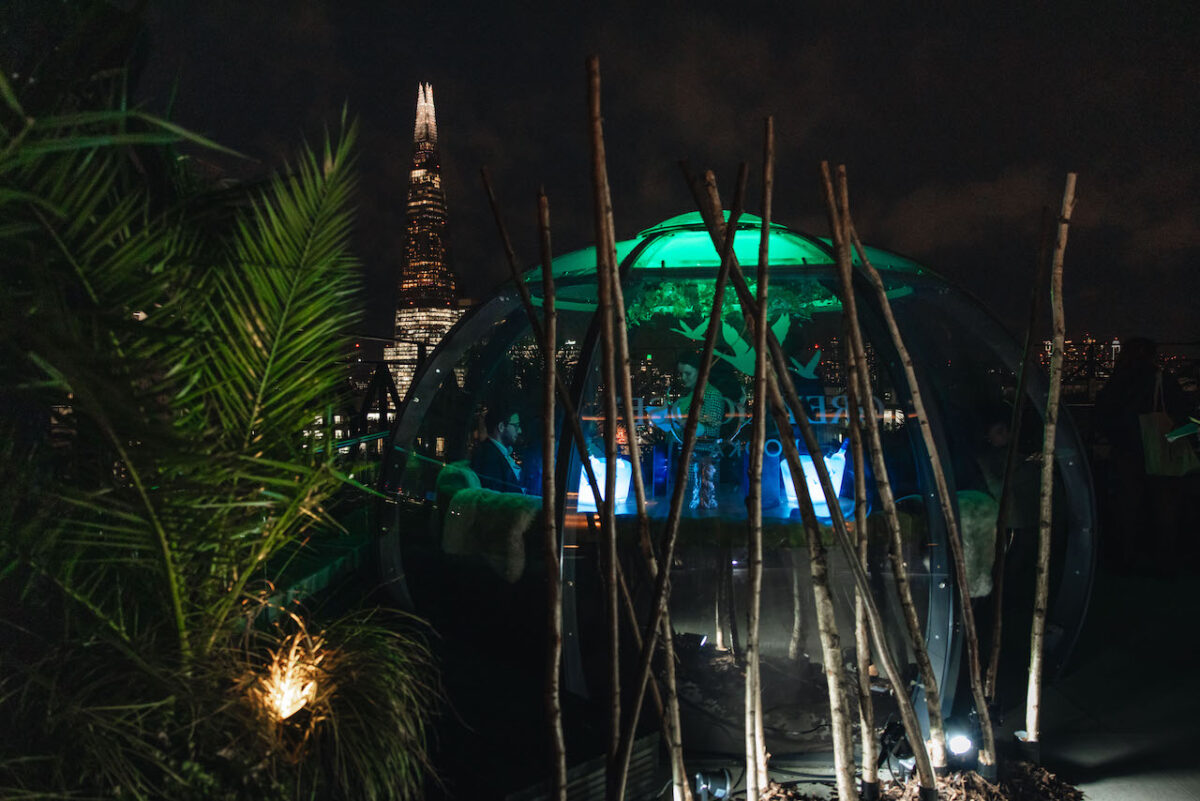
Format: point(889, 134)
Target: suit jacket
point(494, 471)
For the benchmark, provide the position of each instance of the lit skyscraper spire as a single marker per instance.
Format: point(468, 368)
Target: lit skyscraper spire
point(426, 307)
point(425, 131)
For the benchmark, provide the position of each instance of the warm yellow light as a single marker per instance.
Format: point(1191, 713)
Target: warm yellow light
point(291, 680)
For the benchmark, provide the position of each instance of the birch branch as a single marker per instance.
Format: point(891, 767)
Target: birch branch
point(839, 216)
point(831, 652)
point(757, 779)
point(670, 535)
point(862, 632)
point(671, 722)
point(602, 212)
point(987, 748)
point(1037, 637)
point(569, 412)
point(554, 619)
point(843, 743)
point(711, 211)
point(560, 389)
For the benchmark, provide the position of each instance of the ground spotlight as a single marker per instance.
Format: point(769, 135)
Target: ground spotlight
point(959, 744)
point(713, 784)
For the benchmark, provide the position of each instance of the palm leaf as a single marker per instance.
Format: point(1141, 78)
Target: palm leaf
point(189, 458)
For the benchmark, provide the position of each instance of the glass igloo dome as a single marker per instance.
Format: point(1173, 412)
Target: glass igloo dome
point(463, 535)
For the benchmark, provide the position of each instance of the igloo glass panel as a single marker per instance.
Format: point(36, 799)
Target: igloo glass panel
point(965, 384)
point(710, 580)
point(472, 540)
point(969, 391)
point(501, 364)
point(969, 386)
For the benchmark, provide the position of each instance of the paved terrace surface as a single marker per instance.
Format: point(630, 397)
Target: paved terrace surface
point(1116, 734)
point(1123, 723)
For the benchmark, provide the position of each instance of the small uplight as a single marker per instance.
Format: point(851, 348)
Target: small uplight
point(290, 683)
point(959, 744)
point(713, 784)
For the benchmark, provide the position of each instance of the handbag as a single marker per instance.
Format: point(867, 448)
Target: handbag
point(1164, 458)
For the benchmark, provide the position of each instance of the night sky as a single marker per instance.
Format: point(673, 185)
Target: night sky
point(956, 126)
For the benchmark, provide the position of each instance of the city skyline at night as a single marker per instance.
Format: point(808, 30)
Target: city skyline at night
point(956, 128)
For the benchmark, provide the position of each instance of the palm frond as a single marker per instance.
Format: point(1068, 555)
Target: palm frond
point(186, 342)
point(279, 318)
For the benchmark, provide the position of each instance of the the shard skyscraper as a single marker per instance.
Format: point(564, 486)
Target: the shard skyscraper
point(426, 306)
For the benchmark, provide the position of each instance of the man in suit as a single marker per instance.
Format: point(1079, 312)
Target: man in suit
point(493, 459)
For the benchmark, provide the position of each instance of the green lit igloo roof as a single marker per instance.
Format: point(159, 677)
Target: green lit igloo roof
point(683, 243)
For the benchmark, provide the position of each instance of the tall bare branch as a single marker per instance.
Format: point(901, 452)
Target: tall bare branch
point(661, 592)
point(799, 414)
point(843, 745)
point(602, 213)
point(987, 748)
point(570, 415)
point(757, 778)
point(839, 211)
point(1037, 637)
point(671, 724)
point(554, 619)
point(862, 631)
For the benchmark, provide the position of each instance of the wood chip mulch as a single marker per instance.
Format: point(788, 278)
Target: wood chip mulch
point(1022, 781)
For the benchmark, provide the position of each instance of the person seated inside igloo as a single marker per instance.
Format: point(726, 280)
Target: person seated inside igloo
point(494, 460)
point(488, 515)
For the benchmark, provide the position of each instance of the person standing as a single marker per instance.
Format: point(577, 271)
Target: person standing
point(1146, 510)
point(702, 470)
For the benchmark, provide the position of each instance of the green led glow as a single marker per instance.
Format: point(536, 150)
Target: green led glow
point(682, 242)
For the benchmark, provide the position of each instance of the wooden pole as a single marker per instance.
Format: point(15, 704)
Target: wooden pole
point(862, 379)
point(681, 790)
point(554, 619)
point(709, 204)
point(757, 778)
point(839, 209)
point(1037, 298)
point(987, 748)
point(843, 742)
point(608, 522)
point(569, 413)
point(560, 389)
point(831, 651)
point(862, 632)
point(1037, 637)
point(661, 592)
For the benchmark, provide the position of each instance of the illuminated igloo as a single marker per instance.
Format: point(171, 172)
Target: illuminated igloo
point(466, 549)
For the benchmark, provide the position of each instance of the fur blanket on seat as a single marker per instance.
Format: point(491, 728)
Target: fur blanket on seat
point(493, 526)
